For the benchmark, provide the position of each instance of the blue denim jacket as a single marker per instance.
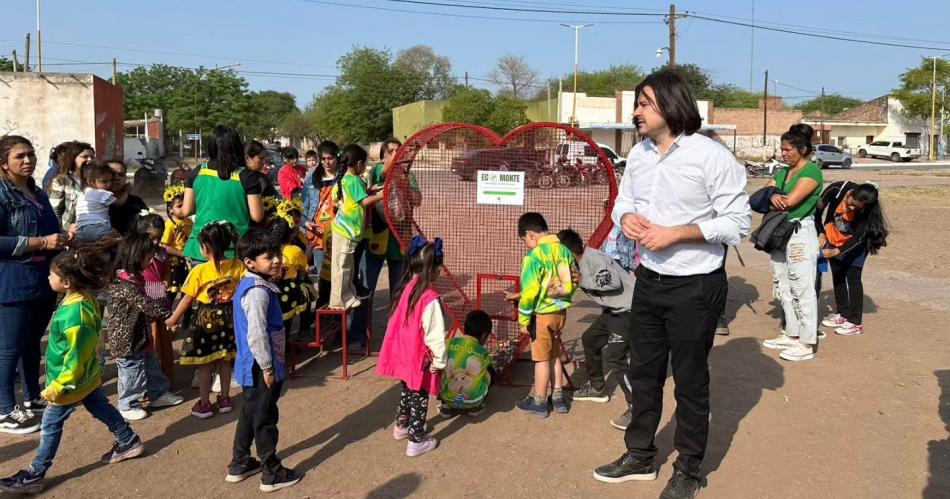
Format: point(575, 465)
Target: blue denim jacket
point(22, 275)
point(310, 197)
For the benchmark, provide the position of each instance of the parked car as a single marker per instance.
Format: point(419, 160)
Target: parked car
point(894, 151)
point(826, 155)
point(615, 159)
point(510, 158)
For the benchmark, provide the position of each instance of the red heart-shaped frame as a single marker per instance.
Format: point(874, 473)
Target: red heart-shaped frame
point(430, 191)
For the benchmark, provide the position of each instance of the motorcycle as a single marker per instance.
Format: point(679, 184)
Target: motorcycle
point(759, 170)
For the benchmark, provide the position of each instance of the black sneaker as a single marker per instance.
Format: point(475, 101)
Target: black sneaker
point(36, 406)
point(625, 469)
point(238, 472)
point(588, 393)
point(19, 422)
point(447, 412)
point(623, 421)
point(722, 327)
point(682, 486)
point(23, 482)
point(527, 405)
point(285, 477)
point(120, 453)
point(475, 411)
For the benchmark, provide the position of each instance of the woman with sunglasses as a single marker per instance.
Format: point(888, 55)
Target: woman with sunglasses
point(853, 227)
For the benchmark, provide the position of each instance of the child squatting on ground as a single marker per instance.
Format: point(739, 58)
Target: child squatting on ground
point(413, 350)
point(259, 367)
point(547, 267)
point(610, 286)
point(468, 371)
point(73, 373)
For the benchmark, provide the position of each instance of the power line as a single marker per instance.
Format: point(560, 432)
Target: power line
point(521, 9)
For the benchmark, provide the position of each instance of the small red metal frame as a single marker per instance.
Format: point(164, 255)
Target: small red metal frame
point(322, 339)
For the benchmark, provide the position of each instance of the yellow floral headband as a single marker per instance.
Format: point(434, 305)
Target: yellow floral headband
point(173, 191)
point(287, 207)
point(270, 202)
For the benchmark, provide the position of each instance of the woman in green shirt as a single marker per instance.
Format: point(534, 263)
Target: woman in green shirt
point(222, 189)
point(794, 268)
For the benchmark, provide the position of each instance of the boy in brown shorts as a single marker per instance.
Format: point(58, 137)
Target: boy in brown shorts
point(547, 267)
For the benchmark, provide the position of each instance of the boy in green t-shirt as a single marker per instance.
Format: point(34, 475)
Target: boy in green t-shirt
point(352, 199)
point(468, 372)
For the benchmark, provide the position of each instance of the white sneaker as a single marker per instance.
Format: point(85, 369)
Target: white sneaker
point(780, 342)
point(833, 320)
point(798, 353)
point(134, 414)
point(849, 329)
point(167, 400)
point(821, 335)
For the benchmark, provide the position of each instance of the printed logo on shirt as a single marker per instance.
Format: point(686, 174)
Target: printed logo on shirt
point(603, 278)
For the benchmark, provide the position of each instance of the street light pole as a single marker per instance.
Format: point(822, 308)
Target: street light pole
point(577, 29)
point(39, 40)
point(933, 109)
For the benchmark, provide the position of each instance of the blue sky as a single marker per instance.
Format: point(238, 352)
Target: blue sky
point(308, 36)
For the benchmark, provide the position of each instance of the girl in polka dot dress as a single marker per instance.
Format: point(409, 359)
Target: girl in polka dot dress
point(209, 344)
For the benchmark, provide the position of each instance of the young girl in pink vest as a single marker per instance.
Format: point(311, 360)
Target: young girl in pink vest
point(414, 347)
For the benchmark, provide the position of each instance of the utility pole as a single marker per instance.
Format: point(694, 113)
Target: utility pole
point(752, 49)
point(549, 100)
point(672, 24)
point(115, 79)
point(39, 40)
point(943, 138)
point(933, 109)
point(821, 117)
point(577, 30)
point(765, 109)
point(14, 61)
point(466, 79)
point(26, 65)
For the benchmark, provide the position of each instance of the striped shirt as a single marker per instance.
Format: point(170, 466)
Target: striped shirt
point(697, 181)
point(64, 192)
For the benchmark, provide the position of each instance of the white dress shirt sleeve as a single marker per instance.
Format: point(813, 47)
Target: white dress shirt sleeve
point(433, 326)
point(624, 202)
point(725, 184)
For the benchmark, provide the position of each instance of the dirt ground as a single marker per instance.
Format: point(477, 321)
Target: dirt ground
point(869, 417)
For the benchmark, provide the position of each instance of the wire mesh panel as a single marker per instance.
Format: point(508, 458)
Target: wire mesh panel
point(440, 185)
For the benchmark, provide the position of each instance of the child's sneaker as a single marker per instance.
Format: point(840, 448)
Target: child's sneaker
point(624, 420)
point(285, 477)
point(400, 432)
point(23, 482)
point(134, 414)
point(528, 405)
point(447, 412)
point(588, 393)
point(224, 405)
point(475, 411)
point(167, 399)
point(120, 453)
point(559, 405)
point(848, 329)
point(19, 422)
point(419, 448)
point(238, 472)
point(35, 406)
point(202, 410)
point(833, 320)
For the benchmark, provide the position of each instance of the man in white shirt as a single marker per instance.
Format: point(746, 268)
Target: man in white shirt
point(682, 199)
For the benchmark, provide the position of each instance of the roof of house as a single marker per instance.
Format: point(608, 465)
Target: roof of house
point(872, 111)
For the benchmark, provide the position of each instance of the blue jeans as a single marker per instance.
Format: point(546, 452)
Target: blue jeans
point(372, 267)
point(55, 416)
point(22, 325)
point(140, 374)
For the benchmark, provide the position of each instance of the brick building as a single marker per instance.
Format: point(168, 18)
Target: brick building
point(749, 124)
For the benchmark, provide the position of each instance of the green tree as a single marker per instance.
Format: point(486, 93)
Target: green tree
point(296, 126)
point(726, 95)
point(470, 105)
point(434, 70)
point(268, 109)
point(698, 80)
point(916, 84)
point(500, 113)
point(602, 83)
point(508, 114)
point(358, 106)
point(6, 64)
point(830, 104)
point(191, 99)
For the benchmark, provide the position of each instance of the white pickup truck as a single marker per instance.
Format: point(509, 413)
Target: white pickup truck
point(894, 151)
